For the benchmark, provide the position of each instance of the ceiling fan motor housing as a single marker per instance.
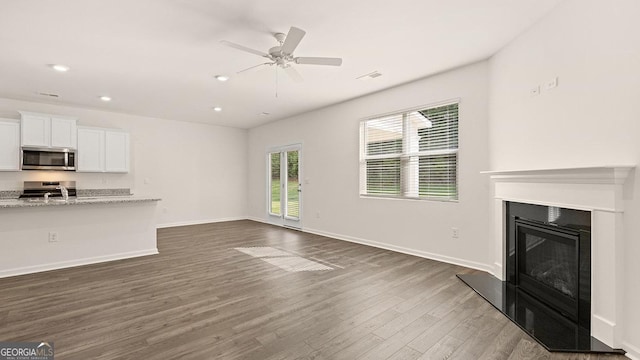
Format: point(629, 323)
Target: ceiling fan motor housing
point(276, 51)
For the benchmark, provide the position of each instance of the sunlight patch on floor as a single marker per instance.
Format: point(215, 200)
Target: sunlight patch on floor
point(283, 259)
point(265, 251)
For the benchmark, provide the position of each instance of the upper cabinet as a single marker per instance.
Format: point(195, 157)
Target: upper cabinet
point(102, 150)
point(9, 145)
point(90, 157)
point(36, 130)
point(64, 132)
point(49, 131)
point(116, 151)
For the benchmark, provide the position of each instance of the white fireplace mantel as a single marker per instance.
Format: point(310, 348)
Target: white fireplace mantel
point(600, 190)
point(613, 175)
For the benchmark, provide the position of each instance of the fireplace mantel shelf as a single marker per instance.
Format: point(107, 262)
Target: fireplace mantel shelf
point(614, 175)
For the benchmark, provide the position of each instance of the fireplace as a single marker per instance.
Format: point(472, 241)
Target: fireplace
point(599, 193)
point(549, 257)
point(547, 265)
point(547, 287)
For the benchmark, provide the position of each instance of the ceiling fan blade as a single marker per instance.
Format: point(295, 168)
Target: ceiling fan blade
point(253, 67)
point(292, 40)
point(319, 61)
point(293, 74)
point(244, 48)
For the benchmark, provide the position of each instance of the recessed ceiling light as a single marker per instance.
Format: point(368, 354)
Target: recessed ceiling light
point(105, 98)
point(59, 68)
point(217, 108)
point(222, 78)
point(264, 113)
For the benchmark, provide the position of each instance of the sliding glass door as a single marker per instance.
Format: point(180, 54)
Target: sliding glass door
point(284, 187)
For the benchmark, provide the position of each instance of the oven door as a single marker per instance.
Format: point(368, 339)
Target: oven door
point(48, 159)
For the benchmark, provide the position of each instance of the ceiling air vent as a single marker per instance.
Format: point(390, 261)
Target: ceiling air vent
point(371, 75)
point(50, 95)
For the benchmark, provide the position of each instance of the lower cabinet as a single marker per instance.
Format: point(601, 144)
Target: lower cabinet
point(102, 150)
point(9, 145)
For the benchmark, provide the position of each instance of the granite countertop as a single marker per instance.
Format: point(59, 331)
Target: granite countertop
point(82, 200)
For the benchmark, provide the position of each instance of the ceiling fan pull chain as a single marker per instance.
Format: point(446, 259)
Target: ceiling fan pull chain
point(276, 81)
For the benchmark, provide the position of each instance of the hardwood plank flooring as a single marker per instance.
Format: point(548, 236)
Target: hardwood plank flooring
point(202, 299)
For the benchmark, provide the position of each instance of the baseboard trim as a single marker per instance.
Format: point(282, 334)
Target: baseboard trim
point(603, 330)
point(199, 222)
point(632, 351)
point(497, 271)
point(75, 263)
point(253, 218)
point(400, 249)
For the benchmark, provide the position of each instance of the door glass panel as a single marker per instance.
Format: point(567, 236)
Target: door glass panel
point(293, 185)
point(274, 161)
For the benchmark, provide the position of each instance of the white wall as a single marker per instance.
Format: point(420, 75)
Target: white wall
point(198, 170)
point(331, 203)
point(591, 119)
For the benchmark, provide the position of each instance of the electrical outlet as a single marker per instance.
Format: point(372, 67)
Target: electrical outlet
point(455, 233)
point(53, 236)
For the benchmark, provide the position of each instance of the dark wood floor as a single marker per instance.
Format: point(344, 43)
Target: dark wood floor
point(202, 299)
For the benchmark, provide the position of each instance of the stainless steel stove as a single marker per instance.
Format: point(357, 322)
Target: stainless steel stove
point(54, 189)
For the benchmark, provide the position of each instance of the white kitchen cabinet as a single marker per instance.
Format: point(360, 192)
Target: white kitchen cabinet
point(90, 153)
point(64, 132)
point(48, 131)
point(116, 151)
point(36, 130)
point(9, 145)
point(102, 150)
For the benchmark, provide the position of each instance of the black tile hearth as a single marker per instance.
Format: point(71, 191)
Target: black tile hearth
point(549, 328)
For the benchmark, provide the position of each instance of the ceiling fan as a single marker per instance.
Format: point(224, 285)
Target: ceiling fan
point(282, 54)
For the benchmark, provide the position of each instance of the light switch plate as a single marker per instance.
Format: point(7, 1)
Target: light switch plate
point(551, 83)
point(535, 91)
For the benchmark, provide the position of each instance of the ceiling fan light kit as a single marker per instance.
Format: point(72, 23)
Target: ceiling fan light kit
point(282, 54)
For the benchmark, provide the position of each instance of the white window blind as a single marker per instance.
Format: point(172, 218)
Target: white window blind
point(413, 154)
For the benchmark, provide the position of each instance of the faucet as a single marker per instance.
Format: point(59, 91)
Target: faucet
point(46, 196)
point(64, 191)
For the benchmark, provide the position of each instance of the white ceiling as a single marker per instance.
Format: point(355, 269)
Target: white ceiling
point(158, 57)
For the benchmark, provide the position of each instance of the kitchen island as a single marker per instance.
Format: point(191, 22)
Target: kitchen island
point(39, 236)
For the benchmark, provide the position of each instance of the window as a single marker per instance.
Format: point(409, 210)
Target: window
point(413, 154)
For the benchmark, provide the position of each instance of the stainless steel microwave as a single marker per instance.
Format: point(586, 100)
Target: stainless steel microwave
point(48, 159)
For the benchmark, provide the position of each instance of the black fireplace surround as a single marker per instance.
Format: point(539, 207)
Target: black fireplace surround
point(547, 291)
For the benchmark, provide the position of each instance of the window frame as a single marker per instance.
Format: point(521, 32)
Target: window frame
point(406, 155)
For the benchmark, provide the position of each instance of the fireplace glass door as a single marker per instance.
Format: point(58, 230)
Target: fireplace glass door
point(548, 265)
